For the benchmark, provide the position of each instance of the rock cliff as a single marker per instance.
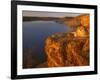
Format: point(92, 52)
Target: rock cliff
point(69, 49)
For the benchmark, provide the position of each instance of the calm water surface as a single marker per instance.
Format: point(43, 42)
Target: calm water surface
point(36, 32)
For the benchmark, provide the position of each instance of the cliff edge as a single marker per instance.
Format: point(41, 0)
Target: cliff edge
point(69, 49)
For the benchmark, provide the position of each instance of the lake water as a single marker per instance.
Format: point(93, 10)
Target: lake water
point(36, 32)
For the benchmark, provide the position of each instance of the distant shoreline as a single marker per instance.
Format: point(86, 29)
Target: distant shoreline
point(46, 18)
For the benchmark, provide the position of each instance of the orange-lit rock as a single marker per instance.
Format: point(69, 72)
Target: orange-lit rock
point(81, 32)
point(74, 52)
point(65, 50)
point(85, 20)
point(82, 20)
point(70, 49)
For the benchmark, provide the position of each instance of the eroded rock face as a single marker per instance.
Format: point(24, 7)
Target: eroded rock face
point(55, 49)
point(69, 49)
point(66, 50)
point(82, 20)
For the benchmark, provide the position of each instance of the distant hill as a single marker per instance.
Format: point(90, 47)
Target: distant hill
point(26, 18)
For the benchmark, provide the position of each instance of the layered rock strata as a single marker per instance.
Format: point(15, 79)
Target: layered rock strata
point(64, 49)
point(69, 49)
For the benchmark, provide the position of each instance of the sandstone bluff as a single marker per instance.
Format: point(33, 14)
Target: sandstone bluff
point(70, 49)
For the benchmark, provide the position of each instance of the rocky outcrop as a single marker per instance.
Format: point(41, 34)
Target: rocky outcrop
point(82, 20)
point(69, 49)
point(64, 49)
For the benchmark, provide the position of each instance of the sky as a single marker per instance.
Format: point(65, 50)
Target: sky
point(49, 14)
